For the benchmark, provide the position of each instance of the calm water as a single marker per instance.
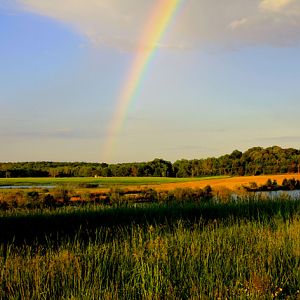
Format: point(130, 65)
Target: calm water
point(27, 186)
point(272, 194)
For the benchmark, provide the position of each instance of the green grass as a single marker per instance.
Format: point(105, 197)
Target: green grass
point(29, 225)
point(237, 250)
point(245, 260)
point(103, 181)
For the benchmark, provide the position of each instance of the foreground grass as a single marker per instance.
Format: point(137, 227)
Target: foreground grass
point(250, 260)
point(238, 250)
point(103, 181)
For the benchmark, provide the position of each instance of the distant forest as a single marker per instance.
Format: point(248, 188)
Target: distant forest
point(254, 161)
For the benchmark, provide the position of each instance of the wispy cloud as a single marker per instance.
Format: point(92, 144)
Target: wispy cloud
point(190, 148)
point(282, 139)
point(118, 24)
point(237, 23)
point(60, 133)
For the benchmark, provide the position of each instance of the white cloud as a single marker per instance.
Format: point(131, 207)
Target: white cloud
point(275, 5)
point(119, 23)
point(110, 23)
point(237, 23)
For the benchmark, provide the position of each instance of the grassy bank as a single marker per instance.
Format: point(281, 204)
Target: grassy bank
point(249, 260)
point(245, 249)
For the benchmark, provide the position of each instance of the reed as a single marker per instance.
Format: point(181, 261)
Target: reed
point(237, 250)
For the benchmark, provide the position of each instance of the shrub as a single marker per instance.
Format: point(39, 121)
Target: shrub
point(62, 194)
point(49, 201)
point(116, 197)
point(33, 196)
point(149, 195)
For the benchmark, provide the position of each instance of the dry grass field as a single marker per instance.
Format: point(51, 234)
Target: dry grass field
point(232, 183)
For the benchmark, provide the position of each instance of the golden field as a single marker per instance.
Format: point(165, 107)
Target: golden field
point(228, 183)
point(232, 183)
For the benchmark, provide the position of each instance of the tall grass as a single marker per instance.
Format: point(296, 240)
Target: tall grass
point(31, 225)
point(246, 260)
point(235, 250)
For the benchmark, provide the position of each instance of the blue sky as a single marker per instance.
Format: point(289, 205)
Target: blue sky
point(224, 77)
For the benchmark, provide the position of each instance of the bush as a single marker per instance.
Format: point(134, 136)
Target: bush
point(190, 195)
point(62, 194)
point(149, 195)
point(116, 197)
point(290, 184)
point(49, 201)
point(33, 196)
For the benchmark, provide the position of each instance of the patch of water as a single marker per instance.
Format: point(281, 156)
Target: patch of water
point(27, 186)
point(274, 194)
point(295, 194)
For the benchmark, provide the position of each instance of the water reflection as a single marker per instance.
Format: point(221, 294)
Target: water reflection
point(275, 194)
point(27, 186)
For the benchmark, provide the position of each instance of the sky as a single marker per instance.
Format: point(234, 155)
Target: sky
point(223, 75)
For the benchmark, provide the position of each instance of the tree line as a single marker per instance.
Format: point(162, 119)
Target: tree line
point(254, 161)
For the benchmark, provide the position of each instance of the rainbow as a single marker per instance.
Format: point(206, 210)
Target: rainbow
point(163, 13)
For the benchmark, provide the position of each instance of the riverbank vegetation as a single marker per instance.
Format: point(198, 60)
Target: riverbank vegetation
point(73, 192)
point(65, 196)
point(290, 184)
